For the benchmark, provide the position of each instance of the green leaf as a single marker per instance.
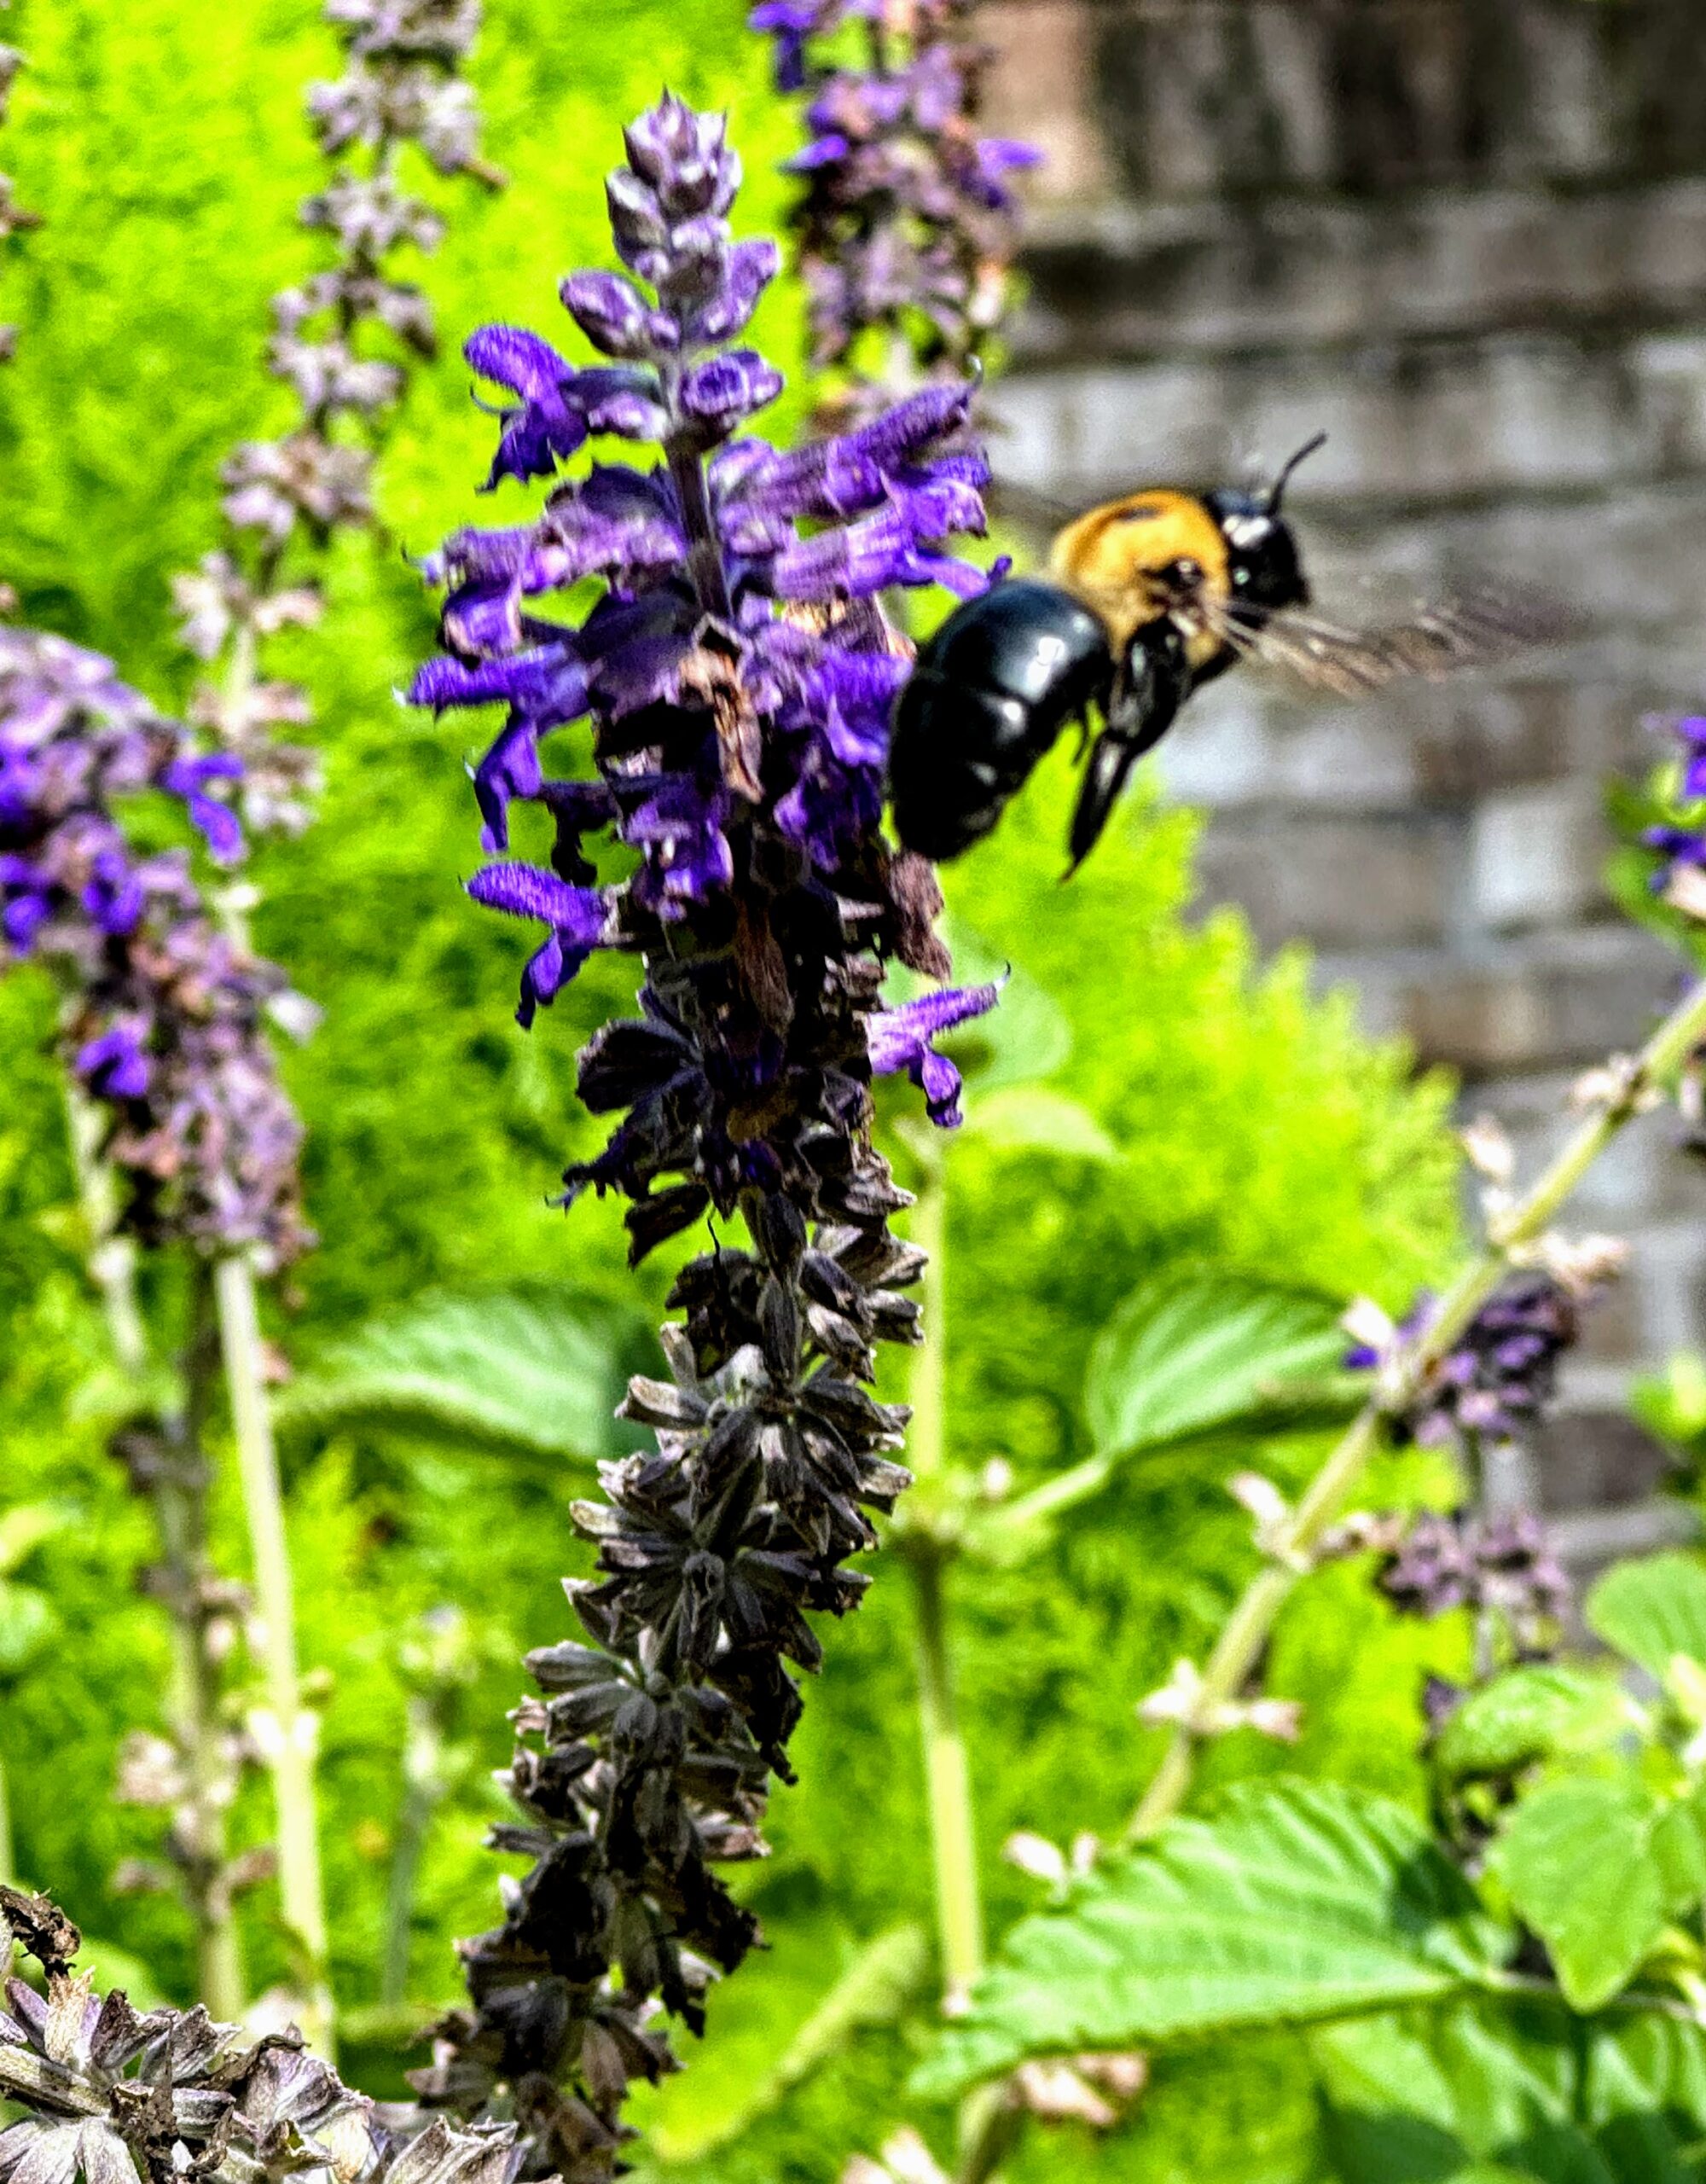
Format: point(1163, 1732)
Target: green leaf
point(1530, 1715)
point(1030, 1115)
point(1577, 1858)
point(23, 1528)
point(1679, 1847)
point(507, 1370)
point(1673, 1403)
point(27, 1622)
point(1652, 1610)
point(1185, 1355)
point(1512, 2088)
point(1300, 1903)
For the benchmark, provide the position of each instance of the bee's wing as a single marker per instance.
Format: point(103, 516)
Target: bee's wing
point(1469, 630)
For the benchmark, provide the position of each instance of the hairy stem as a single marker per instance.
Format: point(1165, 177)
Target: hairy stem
point(1240, 1644)
point(293, 1737)
point(178, 1492)
point(948, 1776)
point(111, 1257)
point(423, 1771)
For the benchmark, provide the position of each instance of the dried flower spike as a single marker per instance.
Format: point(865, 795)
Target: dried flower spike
point(736, 675)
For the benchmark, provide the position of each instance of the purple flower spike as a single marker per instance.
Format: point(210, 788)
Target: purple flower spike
point(164, 1024)
point(1500, 1565)
point(907, 222)
point(736, 673)
point(1494, 1383)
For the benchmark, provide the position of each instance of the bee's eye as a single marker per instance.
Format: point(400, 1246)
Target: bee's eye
point(1240, 576)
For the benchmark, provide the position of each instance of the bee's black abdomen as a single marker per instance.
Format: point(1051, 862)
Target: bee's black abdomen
point(990, 695)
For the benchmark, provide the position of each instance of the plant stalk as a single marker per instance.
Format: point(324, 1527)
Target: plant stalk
point(111, 1257)
point(1240, 1644)
point(179, 1495)
point(293, 1728)
point(423, 1772)
point(947, 1769)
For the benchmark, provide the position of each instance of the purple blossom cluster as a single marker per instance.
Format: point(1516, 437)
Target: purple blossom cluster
point(907, 221)
point(342, 340)
point(1500, 1564)
point(1494, 1383)
point(163, 1018)
point(736, 672)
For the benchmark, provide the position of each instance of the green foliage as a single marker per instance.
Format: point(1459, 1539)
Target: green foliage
point(1183, 1357)
point(1152, 1102)
point(1479, 2096)
point(1299, 1904)
point(1577, 1859)
point(509, 1371)
point(1323, 1907)
point(1652, 1610)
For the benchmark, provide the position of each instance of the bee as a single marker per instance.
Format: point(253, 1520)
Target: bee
point(1148, 599)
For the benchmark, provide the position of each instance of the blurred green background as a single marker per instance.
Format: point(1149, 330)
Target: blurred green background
point(163, 144)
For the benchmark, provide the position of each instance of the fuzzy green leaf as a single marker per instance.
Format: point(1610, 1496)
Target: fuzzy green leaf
point(1511, 2089)
point(1652, 1610)
point(1578, 1860)
point(1302, 1902)
point(1189, 1354)
point(1528, 1716)
point(505, 1370)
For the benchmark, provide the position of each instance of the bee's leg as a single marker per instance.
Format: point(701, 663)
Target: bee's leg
point(1111, 758)
point(1147, 692)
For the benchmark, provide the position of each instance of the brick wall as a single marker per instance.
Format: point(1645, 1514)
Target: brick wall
point(1468, 239)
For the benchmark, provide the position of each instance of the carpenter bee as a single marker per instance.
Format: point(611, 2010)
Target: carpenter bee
point(1147, 598)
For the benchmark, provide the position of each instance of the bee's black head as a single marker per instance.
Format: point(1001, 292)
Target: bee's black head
point(1261, 549)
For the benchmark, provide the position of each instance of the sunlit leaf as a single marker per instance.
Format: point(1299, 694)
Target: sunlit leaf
point(1186, 1354)
point(1652, 1610)
point(1527, 1716)
point(1512, 2088)
point(1578, 1860)
point(26, 1623)
point(506, 1369)
point(1300, 1903)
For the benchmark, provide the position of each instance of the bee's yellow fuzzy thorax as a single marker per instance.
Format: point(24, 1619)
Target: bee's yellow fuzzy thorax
point(1110, 557)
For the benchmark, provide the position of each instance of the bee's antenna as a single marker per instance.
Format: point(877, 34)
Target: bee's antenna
point(1277, 488)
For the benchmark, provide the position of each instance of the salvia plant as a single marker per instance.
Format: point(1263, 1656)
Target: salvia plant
point(697, 637)
point(736, 672)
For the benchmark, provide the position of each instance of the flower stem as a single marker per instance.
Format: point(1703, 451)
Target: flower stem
point(178, 1491)
point(111, 1257)
point(948, 1774)
point(423, 1772)
point(1240, 1644)
point(293, 1728)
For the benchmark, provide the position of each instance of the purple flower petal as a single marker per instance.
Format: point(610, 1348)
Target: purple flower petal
point(900, 1039)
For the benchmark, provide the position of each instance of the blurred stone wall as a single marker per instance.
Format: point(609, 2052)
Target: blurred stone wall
point(1468, 239)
